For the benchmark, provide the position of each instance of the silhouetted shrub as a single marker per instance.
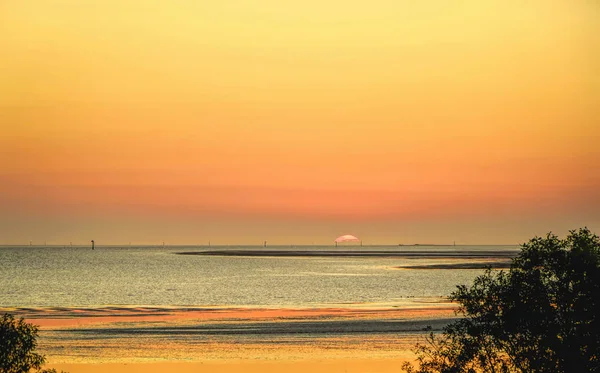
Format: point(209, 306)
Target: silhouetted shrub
point(540, 316)
point(18, 341)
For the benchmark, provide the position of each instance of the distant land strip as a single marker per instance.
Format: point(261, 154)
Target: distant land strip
point(477, 265)
point(442, 254)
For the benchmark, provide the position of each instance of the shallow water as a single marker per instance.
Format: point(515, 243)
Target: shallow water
point(157, 276)
point(148, 304)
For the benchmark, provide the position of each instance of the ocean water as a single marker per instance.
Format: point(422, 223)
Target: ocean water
point(160, 276)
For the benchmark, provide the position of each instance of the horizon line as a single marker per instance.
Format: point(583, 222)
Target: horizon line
point(253, 244)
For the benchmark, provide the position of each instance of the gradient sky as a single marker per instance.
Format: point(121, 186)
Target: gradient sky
point(297, 121)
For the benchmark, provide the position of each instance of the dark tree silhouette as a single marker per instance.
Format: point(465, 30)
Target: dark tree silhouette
point(540, 316)
point(18, 341)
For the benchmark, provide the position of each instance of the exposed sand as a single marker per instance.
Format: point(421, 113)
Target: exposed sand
point(357, 365)
point(196, 339)
point(61, 317)
point(470, 265)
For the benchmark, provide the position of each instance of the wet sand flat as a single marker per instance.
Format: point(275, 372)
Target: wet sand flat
point(65, 317)
point(469, 265)
point(119, 339)
point(342, 365)
point(311, 327)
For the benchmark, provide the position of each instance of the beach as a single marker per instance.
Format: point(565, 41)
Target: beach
point(139, 339)
point(348, 365)
point(236, 309)
point(130, 339)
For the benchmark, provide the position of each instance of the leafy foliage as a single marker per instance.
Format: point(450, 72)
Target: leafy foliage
point(17, 345)
point(542, 316)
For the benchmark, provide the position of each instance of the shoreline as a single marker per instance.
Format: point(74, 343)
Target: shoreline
point(76, 315)
point(155, 339)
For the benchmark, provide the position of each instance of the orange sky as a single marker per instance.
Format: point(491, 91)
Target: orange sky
point(239, 121)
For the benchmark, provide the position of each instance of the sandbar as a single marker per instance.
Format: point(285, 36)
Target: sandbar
point(445, 254)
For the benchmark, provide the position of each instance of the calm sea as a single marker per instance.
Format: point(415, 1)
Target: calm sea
point(158, 276)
